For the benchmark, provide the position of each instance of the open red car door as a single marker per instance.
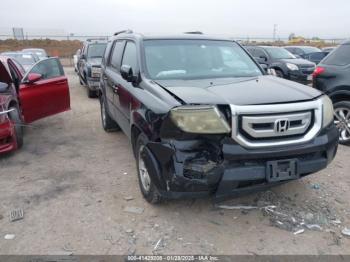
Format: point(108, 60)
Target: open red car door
point(44, 90)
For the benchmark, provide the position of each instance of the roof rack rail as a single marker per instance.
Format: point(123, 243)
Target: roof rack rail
point(97, 39)
point(194, 33)
point(127, 31)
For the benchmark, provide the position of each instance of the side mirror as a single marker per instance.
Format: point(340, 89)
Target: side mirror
point(127, 73)
point(264, 58)
point(3, 87)
point(33, 77)
point(261, 60)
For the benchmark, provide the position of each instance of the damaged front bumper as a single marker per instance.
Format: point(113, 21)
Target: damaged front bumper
point(221, 168)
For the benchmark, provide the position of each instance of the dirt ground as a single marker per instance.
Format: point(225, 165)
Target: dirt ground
point(74, 182)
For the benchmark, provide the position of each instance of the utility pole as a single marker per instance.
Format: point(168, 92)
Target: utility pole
point(274, 32)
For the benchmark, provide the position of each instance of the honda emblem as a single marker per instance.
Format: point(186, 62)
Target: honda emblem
point(281, 125)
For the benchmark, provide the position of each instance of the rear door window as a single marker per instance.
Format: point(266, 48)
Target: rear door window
point(340, 56)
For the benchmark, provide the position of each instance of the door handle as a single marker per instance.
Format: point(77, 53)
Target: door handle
point(60, 82)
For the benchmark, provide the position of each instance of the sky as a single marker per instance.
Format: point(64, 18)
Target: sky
point(239, 18)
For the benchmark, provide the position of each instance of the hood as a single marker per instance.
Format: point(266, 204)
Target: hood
point(298, 61)
point(239, 91)
point(95, 61)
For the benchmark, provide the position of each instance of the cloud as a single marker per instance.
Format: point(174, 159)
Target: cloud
point(231, 17)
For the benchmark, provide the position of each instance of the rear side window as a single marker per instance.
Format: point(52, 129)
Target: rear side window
point(260, 53)
point(340, 56)
point(251, 51)
point(117, 54)
point(317, 56)
point(130, 56)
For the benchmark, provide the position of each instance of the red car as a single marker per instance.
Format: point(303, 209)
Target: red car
point(25, 97)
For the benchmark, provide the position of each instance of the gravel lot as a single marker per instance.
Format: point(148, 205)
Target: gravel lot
point(74, 181)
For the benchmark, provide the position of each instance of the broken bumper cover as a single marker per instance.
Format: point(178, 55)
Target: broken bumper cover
point(7, 137)
point(192, 168)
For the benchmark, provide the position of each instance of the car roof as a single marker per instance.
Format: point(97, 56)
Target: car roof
point(18, 52)
point(30, 49)
point(184, 36)
point(267, 46)
point(301, 46)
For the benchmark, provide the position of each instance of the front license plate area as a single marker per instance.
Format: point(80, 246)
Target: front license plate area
point(281, 170)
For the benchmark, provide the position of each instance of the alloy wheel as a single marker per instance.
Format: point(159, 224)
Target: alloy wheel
point(144, 175)
point(342, 122)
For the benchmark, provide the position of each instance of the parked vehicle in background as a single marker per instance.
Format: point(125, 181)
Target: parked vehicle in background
point(328, 49)
point(76, 59)
point(27, 60)
point(310, 53)
point(89, 65)
point(301, 51)
point(285, 63)
point(204, 119)
point(26, 97)
point(41, 53)
point(332, 76)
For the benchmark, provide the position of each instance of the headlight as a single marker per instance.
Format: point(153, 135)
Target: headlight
point(200, 119)
point(95, 71)
point(328, 111)
point(292, 67)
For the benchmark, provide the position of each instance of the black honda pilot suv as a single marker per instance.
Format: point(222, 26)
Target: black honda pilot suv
point(205, 119)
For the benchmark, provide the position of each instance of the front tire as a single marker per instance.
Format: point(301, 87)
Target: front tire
point(15, 117)
point(147, 187)
point(279, 73)
point(342, 120)
point(108, 124)
point(91, 93)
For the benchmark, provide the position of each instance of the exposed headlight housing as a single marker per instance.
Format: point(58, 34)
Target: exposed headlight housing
point(200, 119)
point(292, 67)
point(328, 111)
point(95, 72)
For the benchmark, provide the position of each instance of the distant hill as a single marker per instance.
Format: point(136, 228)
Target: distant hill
point(61, 48)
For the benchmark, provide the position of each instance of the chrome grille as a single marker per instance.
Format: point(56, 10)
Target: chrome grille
point(255, 126)
point(265, 126)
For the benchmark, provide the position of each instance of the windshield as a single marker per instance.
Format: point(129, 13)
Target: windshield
point(23, 59)
point(197, 59)
point(96, 50)
point(279, 53)
point(40, 53)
